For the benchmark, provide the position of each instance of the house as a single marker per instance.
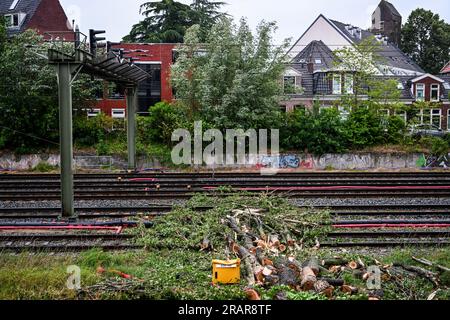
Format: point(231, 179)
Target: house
point(156, 59)
point(47, 17)
point(387, 21)
point(313, 76)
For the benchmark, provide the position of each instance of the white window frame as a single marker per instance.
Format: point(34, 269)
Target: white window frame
point(284, 82)
point(402, 114)
point(122, 110)
point(432, 115)
point(384, 112)
point(344, 113)
point(434, 89)
point(349, 86)
point(448, 120)
point(11, 20)
point(93, 112)
point(337, 79)
point(422, 86)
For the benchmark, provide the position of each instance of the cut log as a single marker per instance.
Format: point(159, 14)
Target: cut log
point(267, 262)
point(267, 271)
point(333, 282)
point(313, 263)
point(252, 295)
point(206, 245)
point(288, 277)
point(334, 262)
point(353, 265)
point(272, 280)
point(349, 289)
point(308, 278)
point(274, 241)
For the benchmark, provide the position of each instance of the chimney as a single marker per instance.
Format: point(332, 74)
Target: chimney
point(310, 66)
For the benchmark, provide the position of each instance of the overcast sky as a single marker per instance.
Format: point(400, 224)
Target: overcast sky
point(292, 16)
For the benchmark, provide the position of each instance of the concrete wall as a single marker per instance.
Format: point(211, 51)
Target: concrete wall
point(28, 162)
point(287, 161)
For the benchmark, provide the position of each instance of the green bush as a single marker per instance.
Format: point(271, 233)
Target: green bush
point(158, 127)
point(436, 146)
point(315, 132)
point(364, 128)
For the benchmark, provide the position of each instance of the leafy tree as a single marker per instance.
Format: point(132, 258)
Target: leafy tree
point(361, 61)
point(233, 79)
point(168, 20)
point(29, 95)
point(3, 35)
point(426, 39)
point(206, 13)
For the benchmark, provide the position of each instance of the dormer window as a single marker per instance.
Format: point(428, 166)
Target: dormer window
point(14, 20)
point(420, 92)
point(435, 92)
point(291, 84)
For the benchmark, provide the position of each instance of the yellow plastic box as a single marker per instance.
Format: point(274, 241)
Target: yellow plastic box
point(226, 271)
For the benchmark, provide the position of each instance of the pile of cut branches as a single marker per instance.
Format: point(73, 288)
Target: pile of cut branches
point(284, 224)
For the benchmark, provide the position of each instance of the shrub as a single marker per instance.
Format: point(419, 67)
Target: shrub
point(364, 128)
point(164, 118)
point(44, 167)
point(315, 132)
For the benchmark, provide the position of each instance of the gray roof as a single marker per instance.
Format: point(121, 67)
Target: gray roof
point(391, 55)
point(317, 53)
point(26, 6)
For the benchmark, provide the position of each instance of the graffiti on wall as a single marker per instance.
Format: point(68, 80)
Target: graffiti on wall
point(285, 162)
point(429, 161)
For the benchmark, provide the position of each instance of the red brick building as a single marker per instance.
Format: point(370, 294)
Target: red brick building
point(154, 58)
point(47, 17)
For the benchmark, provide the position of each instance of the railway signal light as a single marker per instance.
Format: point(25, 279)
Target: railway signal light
point(93, 40)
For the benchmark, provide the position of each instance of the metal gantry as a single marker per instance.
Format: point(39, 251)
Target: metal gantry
point(110, 66)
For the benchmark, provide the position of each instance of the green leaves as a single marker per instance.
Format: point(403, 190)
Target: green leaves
point(167, 20)
point(231, 80)
point(426, 39)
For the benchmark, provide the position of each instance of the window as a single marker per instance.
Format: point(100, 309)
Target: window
point(384, 113)
point(337, 88)
point(435, 92)
point(13, 5)
point(118, 113)
point(402, 114)
point(436, 117)
point(323, 108)
point(348, 84)
point(420, 92)
point(318, 61)
point(448, 120)
point(290, 84)
point(93, 113)
point(12, 20)
point(344, 113)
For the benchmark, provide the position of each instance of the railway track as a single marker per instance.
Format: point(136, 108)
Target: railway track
point(383, 225)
